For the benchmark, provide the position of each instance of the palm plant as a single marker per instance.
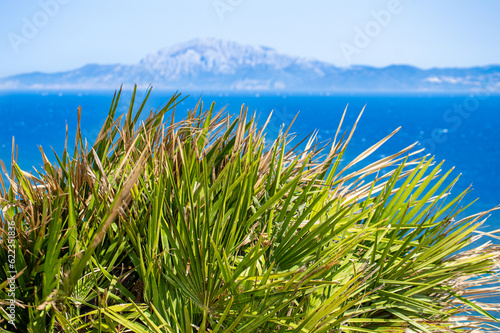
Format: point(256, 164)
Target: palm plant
point(201, 226)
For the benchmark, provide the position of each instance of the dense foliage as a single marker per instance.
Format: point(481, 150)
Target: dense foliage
point(201, 226)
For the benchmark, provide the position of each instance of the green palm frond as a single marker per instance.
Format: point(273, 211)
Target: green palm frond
point(200, 225)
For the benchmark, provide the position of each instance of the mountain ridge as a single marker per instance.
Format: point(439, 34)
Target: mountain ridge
point(211, 64)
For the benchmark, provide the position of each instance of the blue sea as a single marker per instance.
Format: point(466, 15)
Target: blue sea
point(461, 129)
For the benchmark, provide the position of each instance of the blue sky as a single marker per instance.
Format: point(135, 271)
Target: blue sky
point(56, 35)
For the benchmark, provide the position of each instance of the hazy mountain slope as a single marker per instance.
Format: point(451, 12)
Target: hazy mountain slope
point(212, 64)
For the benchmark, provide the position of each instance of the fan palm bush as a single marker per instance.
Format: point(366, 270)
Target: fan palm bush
point(200, 225)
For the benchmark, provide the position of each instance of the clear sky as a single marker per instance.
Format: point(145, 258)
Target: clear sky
point(57, 35)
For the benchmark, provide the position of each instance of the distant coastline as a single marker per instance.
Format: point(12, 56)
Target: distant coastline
point(218, 65)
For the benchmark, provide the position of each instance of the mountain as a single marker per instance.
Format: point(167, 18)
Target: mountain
point(216, 65)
